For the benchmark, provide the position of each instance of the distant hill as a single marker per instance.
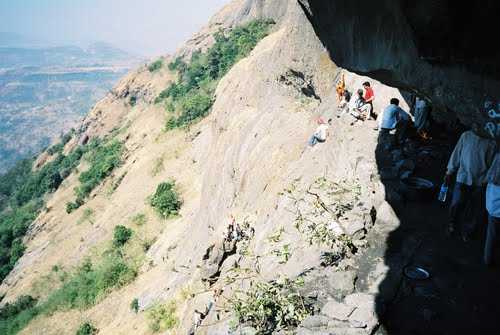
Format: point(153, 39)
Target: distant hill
point(103, 49)
point(96, 54)
point(8, 39)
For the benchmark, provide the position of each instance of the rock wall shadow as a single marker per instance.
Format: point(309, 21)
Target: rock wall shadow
point(461, 295)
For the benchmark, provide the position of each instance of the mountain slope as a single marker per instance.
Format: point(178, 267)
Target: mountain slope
point(315, 214)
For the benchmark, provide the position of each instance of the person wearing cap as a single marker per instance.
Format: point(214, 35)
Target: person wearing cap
point(321, 132)
point(470, 161)
point(493, 208)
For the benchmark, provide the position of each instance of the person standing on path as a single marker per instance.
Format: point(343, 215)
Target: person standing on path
point(369, 98)
point(470, 161)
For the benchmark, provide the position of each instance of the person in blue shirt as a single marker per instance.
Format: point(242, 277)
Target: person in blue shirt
point(394, 117)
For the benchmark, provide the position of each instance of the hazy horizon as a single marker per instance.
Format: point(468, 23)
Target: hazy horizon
point(147, 28)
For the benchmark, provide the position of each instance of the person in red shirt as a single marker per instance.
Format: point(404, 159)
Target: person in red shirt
point(369, 97)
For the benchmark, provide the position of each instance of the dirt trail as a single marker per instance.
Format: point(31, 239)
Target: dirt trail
point(461, 296)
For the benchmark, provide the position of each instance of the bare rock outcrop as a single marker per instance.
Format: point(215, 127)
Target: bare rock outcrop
point(433, 47)
point(319, 214)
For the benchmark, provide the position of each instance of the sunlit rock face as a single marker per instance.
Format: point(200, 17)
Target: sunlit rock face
point(439, 48)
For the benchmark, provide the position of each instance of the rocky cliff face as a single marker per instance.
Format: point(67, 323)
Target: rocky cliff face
point(319, 214)
point(437, 48)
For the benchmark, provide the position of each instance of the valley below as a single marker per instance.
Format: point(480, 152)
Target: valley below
point(45, 94)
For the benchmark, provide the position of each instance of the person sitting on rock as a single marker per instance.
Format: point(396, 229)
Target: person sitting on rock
point(369, 97)
point(346, 97)
point(358, 108)
point(470, 161)
point(493, 208)
point(321, 133)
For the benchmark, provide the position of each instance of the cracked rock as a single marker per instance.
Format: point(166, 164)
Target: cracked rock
point(337, 310)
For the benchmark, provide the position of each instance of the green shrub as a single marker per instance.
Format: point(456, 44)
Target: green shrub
point(65, 172)
point(163, 317)
point(48, 178)
point(155, 66)
point(177, 64)
point(12, 309)
point(13, 179)
point(194, 106)
point(270, 307)
point(134, 305)
point(14, 224)
point(55, 149)
point(87, 216)
point(121, 236)
point(86, 328)
point(72, 206)
point(87, 286)
point(15, 316)
point(133, 101)
point(103, 159)
point(67, 137)
point(147, 244)
point(165, 201)
point(193, 94)
point(158, 166)
point(162, 96)
point(91, 283)
point(139, 219)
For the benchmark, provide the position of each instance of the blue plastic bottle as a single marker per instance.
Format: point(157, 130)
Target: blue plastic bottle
point(443, 192)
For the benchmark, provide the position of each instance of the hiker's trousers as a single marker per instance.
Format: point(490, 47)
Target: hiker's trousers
point(315, 140)
point(469, 201)
point(491, 236)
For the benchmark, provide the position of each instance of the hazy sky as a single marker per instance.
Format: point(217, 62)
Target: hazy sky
point(146, 27)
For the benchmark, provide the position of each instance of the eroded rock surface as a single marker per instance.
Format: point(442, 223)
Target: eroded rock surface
point(320, 214)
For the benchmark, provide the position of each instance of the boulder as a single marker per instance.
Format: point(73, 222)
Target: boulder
point(341, 282)
point(364, 315)
point(336, 310)
point(387, 219)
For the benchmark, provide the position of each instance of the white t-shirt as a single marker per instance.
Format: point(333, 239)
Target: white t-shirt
point(472, 158)
point(321, 132)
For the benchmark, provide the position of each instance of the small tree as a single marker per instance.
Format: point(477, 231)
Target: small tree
point(163, 317)
point(86, 329)
point(121, 236)
point(166, 201)
point(134, 305)
point(155, 66)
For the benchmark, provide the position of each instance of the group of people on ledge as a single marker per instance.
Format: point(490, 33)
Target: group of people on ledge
point(475, 161)
point(360, 107)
